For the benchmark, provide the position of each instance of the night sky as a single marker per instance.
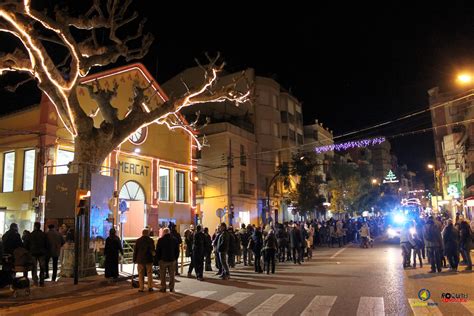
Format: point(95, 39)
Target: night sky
point(351, 65)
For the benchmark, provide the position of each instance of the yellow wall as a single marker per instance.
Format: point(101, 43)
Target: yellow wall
point(26, 121)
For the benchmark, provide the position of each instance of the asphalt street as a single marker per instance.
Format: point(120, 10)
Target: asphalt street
point(337, 281)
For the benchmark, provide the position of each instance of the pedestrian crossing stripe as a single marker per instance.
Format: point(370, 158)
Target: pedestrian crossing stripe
point(371, 306)
point(420, 308)
point(223, 304)
point(319, 304)
point(179, 303)
point(271, 305)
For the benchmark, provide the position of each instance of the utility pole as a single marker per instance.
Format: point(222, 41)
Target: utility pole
point(230, 165)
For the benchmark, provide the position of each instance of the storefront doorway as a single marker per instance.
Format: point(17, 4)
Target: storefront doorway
point(134, 220)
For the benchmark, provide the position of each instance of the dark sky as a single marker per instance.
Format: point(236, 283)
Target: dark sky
point(350, 65)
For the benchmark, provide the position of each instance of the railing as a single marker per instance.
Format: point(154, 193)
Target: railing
point(246, 188)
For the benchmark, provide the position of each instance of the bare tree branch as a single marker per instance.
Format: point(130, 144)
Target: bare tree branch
point(13, 88)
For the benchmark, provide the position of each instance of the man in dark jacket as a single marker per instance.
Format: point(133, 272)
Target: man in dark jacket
point(451, 245)
point(37, 246)
point(188, 240)
point(11, 239)
point(465, 242)
point(167, 253)
point(177, 236)
point(199, 240)
point(223, 249)
point(207, 249)
point(433, 243)
point(143, 256)
point(295, 244)
point(244, 240)
point(54, 242)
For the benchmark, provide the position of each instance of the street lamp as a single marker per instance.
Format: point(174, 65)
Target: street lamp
point(374, 181)
point(431, 166)
point(464, 78)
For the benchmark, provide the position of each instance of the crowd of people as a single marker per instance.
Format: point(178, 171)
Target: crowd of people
point(32, 250)
point(249, 245)
point(441, 242)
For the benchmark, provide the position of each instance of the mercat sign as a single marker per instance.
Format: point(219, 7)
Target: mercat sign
point(132, 168)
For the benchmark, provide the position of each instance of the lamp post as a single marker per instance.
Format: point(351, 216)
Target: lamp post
point(435, 185)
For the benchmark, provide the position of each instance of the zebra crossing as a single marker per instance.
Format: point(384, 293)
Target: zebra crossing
point(128, 301)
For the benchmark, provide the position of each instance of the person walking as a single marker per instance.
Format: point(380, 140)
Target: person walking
point(113, 247)
point(143, 256)
point(38, 248)
point(270, 246)
point(167, 252)
point(199, 240)
point(295, 244)
point(54, 243)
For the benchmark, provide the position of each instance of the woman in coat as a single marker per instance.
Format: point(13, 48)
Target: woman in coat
point(451, 245)
point(257, 245)
point(113, 247)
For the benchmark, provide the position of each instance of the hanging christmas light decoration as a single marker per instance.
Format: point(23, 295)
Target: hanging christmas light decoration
point(348, 145)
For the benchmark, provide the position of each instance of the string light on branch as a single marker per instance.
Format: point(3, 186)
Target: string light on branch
point(348, 145)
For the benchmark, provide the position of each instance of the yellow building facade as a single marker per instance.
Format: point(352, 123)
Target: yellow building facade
point(153, 169)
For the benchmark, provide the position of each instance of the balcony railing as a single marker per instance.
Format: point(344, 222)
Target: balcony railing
point(246, 188)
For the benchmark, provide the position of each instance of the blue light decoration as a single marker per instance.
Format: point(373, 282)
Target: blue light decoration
point(399, 218)
point(348, 145)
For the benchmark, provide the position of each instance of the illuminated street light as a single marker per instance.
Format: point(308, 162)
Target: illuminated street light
point(464, 78)
point(374, 181)
point(430, 166)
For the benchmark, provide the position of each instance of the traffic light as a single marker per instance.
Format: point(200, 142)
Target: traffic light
point(81, 202)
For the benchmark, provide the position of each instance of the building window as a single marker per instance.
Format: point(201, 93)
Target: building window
point(284, 116)
point(275, 101)
point(300, 139)
point(292, 135)
point(8, 171)
point(243, 157)
point(64, 157)
point(164, 184)
point(291, 118)
point(29, 170)
point(180, 186)
point(276, 130)
point(265, 127)
point(263, 97)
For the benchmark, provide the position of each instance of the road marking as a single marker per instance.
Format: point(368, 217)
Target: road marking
point(94, 299)
point(224, 304)
point(271, 305)
point(320, 305)
point(421, 308)
point(338, 252)
point(371, 306)
point(143, 298)
point(469, 305)
point(177, 304)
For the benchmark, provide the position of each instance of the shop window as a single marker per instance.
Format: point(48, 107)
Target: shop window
point(180, 186)
point(8, 171)
point(164, 184)
point(29, 170)
point(62, 160)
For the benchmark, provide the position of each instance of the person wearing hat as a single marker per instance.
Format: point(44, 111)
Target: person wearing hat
point(113, 246)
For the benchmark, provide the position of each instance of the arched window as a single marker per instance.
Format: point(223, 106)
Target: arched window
point(132, 191)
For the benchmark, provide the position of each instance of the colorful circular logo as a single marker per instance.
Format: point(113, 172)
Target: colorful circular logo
point(424, 294)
